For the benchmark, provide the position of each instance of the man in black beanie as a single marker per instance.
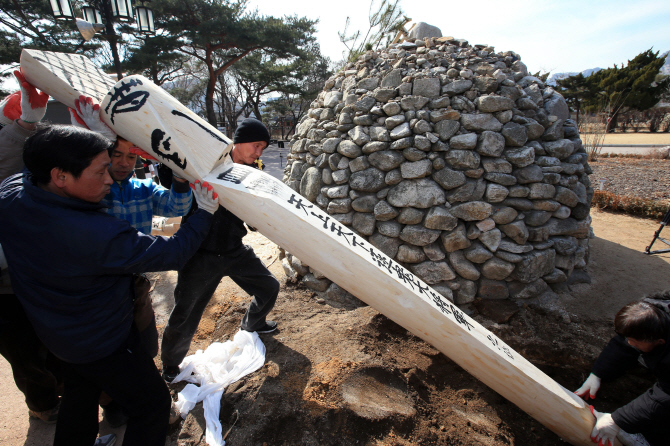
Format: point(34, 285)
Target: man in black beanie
point(221, 254)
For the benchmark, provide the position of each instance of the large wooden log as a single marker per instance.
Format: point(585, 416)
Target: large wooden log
point(162, 126)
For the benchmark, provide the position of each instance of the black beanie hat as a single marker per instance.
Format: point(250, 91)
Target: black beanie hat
point(251, 130)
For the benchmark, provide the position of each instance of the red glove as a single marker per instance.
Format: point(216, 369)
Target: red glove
point(139, 152)
point(10, 108)
point(33, 103)
point(90, 114)
point(75, 119)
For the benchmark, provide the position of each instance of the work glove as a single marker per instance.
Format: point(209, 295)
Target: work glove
point(589, 388)
point(205, 196)
point(605, 430)
point(139, 152)
point(90, 114)
point(10, 108)
point(75, 119)
point(33, 103)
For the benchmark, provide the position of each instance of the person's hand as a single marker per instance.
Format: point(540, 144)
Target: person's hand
point(589, 388)
point(75, 119)
point(605, 431)
point(33, 103)
point(90, 114)
point(207, 199)
point(10, 108)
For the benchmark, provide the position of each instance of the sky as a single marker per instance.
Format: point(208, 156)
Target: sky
point(550, 36)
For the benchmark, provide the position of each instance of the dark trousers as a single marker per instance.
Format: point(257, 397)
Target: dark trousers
point(196, 284)
point(27, 355)
point(129, 376)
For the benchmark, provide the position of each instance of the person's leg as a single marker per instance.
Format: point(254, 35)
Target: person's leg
point(129, 376)
point(149, 337)
point(78, 416)
point(26, 354)
point(250, 274)
point(196, 284)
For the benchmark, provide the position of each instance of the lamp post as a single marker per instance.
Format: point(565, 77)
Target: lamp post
point(112, 11)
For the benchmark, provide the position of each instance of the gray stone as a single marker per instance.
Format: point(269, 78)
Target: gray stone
point(462, 159)
point(560, 149)
point(332, 98)
point(428, 87)
point(422, 193)
point(541, 191)
point(422, 30)
point(341, 176)
point(349, 149)
point(421, 127)
point(385, 94)
point(359, 136)
point(565, 246)
point(457, 87)
point(535, 264)
point(402, 143)
point(463, 266)
point(554, 132)
point(410, 216)
point(517, 231)
point(417, 169)
point(536, 218)
point(380, 136)
point(477, 253)
point(527, 291)
point(501, 178)
point(535, 130)
point(491, 239)
point(358, 164)
point(389, 228)
point(410, 254)
point(520, 204)
point(519, 191)
point(475, 210)
point(481, 122)
point(455, 239)
point(337, 191)
point(364, 223)
point(384, 211)
point(414, 154)
point(447, 128)
point(529, 174)
point(486, 84)
point(515, 135)
point(433, 252)
point(386, 160)
point(562, 212)
point(491, 104)
point(368, 180)
point(401, 131)
point(449, 179)
point(393, 79)
point(433, 272)
point(566, 196)
point(393, 177)
point(365, 203)
point(496, 193)
point(556, 276)
point(310, 184)
point(504, 215)
point(466, 293)
point(496, 165)
point(393, 121)
point(497, 269)
point(387, 245)
point(315, 284)
point(556, 105)
point(522, 157)
point(413, 103)
point(439, 218)
point(339, 206)
point(546, 205)
point(466, 141)
point(340, 298)
point(491, 144)
point(419, 235)
point(508, 256)
point(365, 104)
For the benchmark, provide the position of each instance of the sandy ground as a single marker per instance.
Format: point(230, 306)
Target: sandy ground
point(300, 396)
point(637, 138)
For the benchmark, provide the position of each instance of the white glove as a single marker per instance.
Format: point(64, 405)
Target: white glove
point(75, 119)
point(605, 430)
point(204, 194)
point(33, 103)
point(90, 114)
point(589, 388)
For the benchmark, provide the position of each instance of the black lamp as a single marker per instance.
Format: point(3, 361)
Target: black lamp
point(145, 20)
point(62, 9)
point(122, 10)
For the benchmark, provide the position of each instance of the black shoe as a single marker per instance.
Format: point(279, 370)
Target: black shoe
point(114, 415)
point(269, 327)
point(170, 373)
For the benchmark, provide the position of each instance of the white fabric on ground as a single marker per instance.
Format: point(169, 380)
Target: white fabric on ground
point(220, 365)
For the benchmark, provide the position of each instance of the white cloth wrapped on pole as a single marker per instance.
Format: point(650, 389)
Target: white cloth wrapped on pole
point(214, 369)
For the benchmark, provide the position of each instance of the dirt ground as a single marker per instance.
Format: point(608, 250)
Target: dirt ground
point(350, 376)
point(637, 138)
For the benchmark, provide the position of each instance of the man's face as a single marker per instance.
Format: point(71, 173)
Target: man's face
point(123, 162)
point(645, 346)
point(93, 183)
point(248, 152)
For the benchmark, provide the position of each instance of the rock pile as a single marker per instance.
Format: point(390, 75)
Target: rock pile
point(453, 160)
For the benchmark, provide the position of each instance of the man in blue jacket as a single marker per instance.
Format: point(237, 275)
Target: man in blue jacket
point(71, 268)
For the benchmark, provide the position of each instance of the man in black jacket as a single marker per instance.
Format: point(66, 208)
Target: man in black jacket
point(643, 335)
point(221, 254)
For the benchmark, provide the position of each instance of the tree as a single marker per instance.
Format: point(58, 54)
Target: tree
point(631, 87)
point(31, 25)
point(575, 90)
point(157, 58)
point(220, 33)
point(384, 20)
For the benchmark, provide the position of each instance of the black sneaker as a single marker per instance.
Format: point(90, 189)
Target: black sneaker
point(170, 373)
point(269, 327)
point(114, 415)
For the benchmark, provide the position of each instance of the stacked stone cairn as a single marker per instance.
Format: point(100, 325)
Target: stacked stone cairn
point(455, 162)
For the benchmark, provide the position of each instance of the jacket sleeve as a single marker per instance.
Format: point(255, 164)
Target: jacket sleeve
point(12, 139)
point(644, 413)
point(615, 359)
point(130, 251)
point(175, 202)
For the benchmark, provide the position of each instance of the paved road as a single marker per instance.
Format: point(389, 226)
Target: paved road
point(637, 149)
point(274, 159)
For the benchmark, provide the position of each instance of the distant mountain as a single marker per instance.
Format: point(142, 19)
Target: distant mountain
point(665, 69)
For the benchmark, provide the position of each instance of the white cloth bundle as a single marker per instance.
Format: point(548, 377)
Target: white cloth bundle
point(220, 365)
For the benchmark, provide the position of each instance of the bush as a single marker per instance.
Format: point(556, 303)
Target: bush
point(629, 205)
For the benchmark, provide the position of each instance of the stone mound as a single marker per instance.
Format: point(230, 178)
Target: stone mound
point(454, 161)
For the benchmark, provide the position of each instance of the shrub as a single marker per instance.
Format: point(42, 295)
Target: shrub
point(629, 205)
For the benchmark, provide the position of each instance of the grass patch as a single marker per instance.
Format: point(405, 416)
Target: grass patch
point(653, 154)
point(629, 205)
